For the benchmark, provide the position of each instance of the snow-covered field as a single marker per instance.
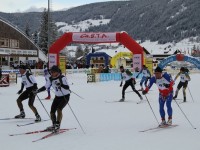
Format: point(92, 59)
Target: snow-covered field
point(107, 126)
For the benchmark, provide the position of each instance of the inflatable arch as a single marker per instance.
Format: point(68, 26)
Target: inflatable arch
point(119, 55)
point(179, 57)
point(100, 37)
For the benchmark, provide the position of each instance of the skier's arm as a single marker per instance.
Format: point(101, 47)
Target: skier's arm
point(187, 76)
point(139, 73)
point(43, 88)
point(177, 76)
point(121, 80)
point(64, 83)
point(22, 87)
point(152, 81)
point(149, 73)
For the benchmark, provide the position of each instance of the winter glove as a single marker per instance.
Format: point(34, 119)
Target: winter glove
point(137, 76)
point(41, 89)
point(145, 91)
point(34, 92)
point(19, 92)
point(120, 84)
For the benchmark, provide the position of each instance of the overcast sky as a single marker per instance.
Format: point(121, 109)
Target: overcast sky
point(27, 5)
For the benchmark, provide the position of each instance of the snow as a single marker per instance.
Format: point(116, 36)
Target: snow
point(185, 46)
point(108, 126)
point(81, 26)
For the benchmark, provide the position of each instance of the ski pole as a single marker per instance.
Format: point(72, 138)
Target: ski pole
point(43, 106)
point(77, 95)
point(190, 94)
point(152, 109)
point(184, 115)
point(73, 113)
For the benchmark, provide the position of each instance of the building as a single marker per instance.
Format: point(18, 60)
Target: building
point(16, 47)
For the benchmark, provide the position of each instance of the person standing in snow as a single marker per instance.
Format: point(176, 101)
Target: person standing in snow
point(184, 78)
point(165, 84)
point(62, 96)
point(129, 81)
point(28, 80)
point(47, 76)
point(146, 76)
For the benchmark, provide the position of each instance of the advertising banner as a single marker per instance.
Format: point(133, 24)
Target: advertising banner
point(149, 63)
point(94, 37)
point(52, 60)
point(62, 64)
point(137, 61)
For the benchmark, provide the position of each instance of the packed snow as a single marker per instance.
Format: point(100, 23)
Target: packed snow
point(107, 126)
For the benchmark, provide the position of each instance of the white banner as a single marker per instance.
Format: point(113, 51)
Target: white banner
point(52, 60)
point(94, 37)
point(137, 61)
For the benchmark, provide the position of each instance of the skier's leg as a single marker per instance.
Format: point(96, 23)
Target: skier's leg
point(124, 89)
point(133, 88)
point(161, 107)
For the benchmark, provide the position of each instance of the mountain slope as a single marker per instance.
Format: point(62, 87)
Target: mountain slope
point(155, 20)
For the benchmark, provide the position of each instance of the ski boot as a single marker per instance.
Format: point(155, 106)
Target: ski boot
point(48, 97)
point(50, 128)
point(169, 122)
point(122, 100)
point(56, 127)
point(163, 123)
point(38, 118)
point(184, 99)
point(21, 115)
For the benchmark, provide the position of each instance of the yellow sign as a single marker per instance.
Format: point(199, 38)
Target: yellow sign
point(62, 64)
point(149, 63)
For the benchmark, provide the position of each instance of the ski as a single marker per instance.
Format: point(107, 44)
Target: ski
point(14, 118)
point(50, 135)
point(159, 127)
point(143, 90)
point(38, 131)
point(141, 101)
point(30, 123)
point(111, 101)
point(117, 101)
point(124, 101)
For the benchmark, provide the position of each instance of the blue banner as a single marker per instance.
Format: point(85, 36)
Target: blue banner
point(114, 76)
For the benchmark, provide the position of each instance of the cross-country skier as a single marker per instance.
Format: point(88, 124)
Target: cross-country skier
point(47, 76)
point(129, 81)
point(146, 76)
point(164, 83)
point(184, 78)
point(28, 80)
point(62, 95)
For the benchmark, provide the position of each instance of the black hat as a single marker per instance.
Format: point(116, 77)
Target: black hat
point(158, 69)
point(55, 69)
point(121, 67)
point(22, 67)
point(182, 69)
